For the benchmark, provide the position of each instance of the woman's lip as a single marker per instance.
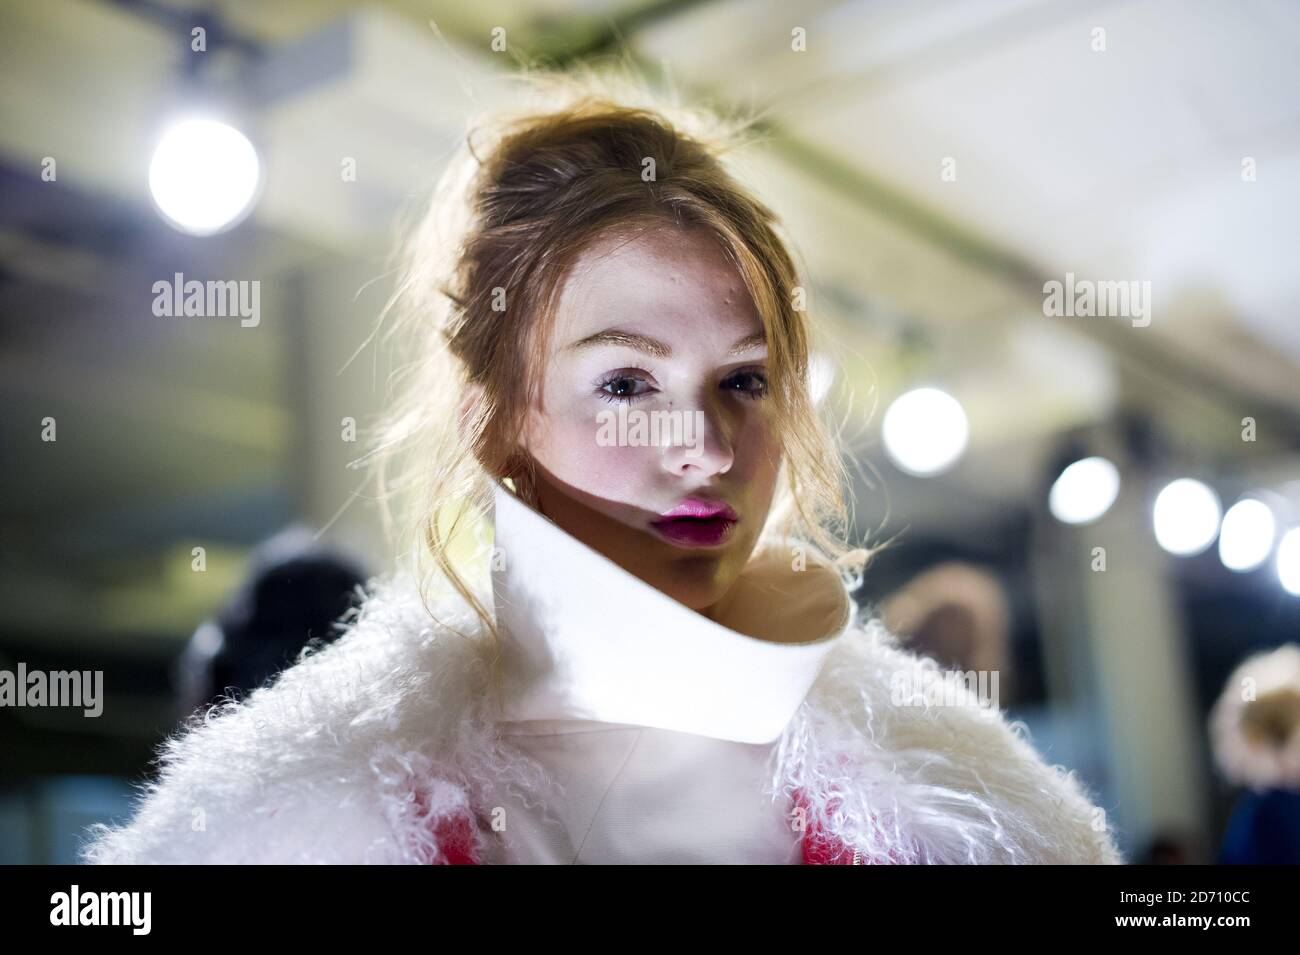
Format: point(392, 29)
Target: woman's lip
point(700, 508)
point(694, 531)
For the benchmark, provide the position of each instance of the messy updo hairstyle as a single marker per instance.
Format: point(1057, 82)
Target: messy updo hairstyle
point(589, 153)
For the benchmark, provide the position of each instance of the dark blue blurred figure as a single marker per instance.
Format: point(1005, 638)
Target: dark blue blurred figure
point(1264, 830)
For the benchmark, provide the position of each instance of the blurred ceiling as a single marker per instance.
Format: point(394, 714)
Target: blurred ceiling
point(1122, 164)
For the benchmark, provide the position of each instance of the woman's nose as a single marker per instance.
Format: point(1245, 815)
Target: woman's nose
point(698, 441)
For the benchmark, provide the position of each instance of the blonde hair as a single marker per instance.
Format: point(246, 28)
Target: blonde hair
point(528, 190)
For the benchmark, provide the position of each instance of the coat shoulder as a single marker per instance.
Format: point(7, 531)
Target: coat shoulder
point(343, 758)
point(939, 774)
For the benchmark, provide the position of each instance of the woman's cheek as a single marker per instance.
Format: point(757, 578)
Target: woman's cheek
point(574, 454)
point(760, 447)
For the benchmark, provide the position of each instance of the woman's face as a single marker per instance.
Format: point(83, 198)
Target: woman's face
point(653, 401)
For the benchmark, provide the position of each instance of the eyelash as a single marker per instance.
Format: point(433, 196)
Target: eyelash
point(752, 394)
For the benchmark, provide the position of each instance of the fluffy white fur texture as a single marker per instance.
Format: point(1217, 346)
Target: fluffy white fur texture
point(1248, 761)
point(355, 752)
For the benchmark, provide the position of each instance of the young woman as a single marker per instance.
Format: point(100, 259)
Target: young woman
point(658, 660)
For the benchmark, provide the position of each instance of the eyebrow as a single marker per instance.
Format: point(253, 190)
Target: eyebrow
point(656, 348)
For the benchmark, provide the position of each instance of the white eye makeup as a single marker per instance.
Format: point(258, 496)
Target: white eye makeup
point(629, 385)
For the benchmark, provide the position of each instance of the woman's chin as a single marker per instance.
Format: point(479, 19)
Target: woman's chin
point(698, 582)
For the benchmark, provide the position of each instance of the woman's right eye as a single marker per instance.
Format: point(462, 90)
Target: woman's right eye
point(624, 387)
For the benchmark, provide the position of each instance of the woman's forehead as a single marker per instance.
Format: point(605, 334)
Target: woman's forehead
point(661, 281)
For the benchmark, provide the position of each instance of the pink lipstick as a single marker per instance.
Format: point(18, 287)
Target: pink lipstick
point(696, 522)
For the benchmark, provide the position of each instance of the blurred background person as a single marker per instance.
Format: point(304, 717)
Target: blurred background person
point(1255, 727)
point(957, 616)
point(295, 593)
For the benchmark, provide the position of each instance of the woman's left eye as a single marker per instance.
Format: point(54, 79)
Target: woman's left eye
point(752, 384)
point(624, 387)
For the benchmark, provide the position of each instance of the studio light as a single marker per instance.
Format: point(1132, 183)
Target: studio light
point(1186, 517)
point(1288, 561)
point(1246, 537)
point(1084, 491)
point(204, 176)
point(925, 431)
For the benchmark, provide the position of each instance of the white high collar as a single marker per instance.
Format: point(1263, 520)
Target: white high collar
point(584, 639)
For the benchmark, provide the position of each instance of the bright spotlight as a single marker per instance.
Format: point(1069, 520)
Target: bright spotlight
point(1186, 517)
point(1288, 561)
point(203, 176)
point(1247, 535)
point(925, 431)
point(1084, 491)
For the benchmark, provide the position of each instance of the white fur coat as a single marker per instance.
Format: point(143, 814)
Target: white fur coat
point(357, 752)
